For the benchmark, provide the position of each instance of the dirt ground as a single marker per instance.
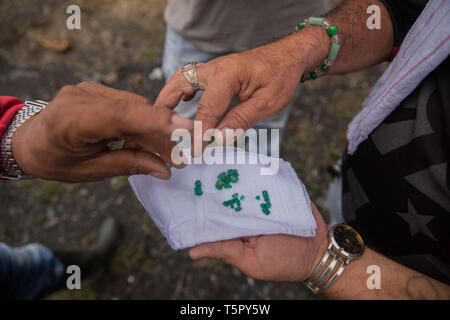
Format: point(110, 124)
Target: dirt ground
point(120, 43)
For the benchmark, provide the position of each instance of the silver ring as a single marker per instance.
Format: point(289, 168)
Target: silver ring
point(116, 145)
point(189, 71)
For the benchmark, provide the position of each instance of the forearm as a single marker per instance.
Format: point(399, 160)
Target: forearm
point(397, 281)
point(360, 47)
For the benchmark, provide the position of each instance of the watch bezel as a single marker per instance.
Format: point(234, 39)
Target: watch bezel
point(339, 249)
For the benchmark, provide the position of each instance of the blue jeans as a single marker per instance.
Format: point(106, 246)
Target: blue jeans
point(178, 50)
point(28, 272)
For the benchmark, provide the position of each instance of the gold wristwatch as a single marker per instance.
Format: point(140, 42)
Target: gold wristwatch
point(345, 245)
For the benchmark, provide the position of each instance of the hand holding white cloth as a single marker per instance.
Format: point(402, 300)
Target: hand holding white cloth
point(187, 220)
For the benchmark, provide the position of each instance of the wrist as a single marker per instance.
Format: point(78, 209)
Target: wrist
point(319, 253)
point(344, 246)
point(12, 143)
point(311, 45)
point(353, 271)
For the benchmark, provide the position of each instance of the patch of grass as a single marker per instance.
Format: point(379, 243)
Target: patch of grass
point(128, 257)
point(88, 240)
point(85, 293)
point(117, 183)
point(47, 191)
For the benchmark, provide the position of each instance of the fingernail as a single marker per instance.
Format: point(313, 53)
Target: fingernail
point(160, 175)
point(180, 121)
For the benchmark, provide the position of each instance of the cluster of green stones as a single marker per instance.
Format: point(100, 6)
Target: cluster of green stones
point(235, 200)
point(198, 188)
point(332, 31)
point(267, 205)
point(224, 179)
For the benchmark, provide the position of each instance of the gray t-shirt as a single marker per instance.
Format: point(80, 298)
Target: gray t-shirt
point(222, 26)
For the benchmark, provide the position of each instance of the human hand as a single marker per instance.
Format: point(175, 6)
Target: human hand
point(264, 79)
point(270, 257)
point(68, 140)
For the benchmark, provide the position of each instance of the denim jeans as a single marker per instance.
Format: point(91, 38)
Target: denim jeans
point(178, 50)
point(28, 272)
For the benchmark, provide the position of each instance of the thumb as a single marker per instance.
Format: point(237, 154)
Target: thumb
point(129, 162)
point(230, 251)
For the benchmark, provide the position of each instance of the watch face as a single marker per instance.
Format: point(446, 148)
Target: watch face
point(348, 239)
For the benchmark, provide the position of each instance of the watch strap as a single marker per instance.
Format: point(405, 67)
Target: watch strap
point(9, 169)
point(327, 271)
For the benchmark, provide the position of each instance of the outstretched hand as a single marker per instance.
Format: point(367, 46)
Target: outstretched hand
point(68, 140)
point(264, 79)
point(270, 257)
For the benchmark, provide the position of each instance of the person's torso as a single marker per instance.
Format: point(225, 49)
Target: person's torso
point(396, 184)
point(219, 26)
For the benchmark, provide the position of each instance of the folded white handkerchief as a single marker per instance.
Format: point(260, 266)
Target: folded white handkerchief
point(186, 219)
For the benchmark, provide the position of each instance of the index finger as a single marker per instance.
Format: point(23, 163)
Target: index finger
point(178, 86)
point(111, 93)
point(214, 103)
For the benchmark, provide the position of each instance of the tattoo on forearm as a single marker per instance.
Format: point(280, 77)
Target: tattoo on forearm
point(421, 288)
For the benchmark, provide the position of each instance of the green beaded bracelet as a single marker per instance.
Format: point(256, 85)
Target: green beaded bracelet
point(332, 31)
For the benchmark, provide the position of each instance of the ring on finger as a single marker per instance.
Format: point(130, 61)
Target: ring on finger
point(116, 144)
point(189, 71)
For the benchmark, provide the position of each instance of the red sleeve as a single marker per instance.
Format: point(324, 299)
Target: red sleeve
point(8, 108)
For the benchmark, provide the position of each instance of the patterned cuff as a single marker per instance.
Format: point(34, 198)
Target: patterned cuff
point(9, 168)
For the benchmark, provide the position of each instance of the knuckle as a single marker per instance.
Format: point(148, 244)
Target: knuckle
point(204, 106)
point(84, 84)
point(68, 89)
point(132, 167)
point(263, 105)
point(145, 100)
point(239, 118)
point(120, 107)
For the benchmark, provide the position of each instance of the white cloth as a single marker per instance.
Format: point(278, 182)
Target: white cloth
point(187, 220)
point(424, 48)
